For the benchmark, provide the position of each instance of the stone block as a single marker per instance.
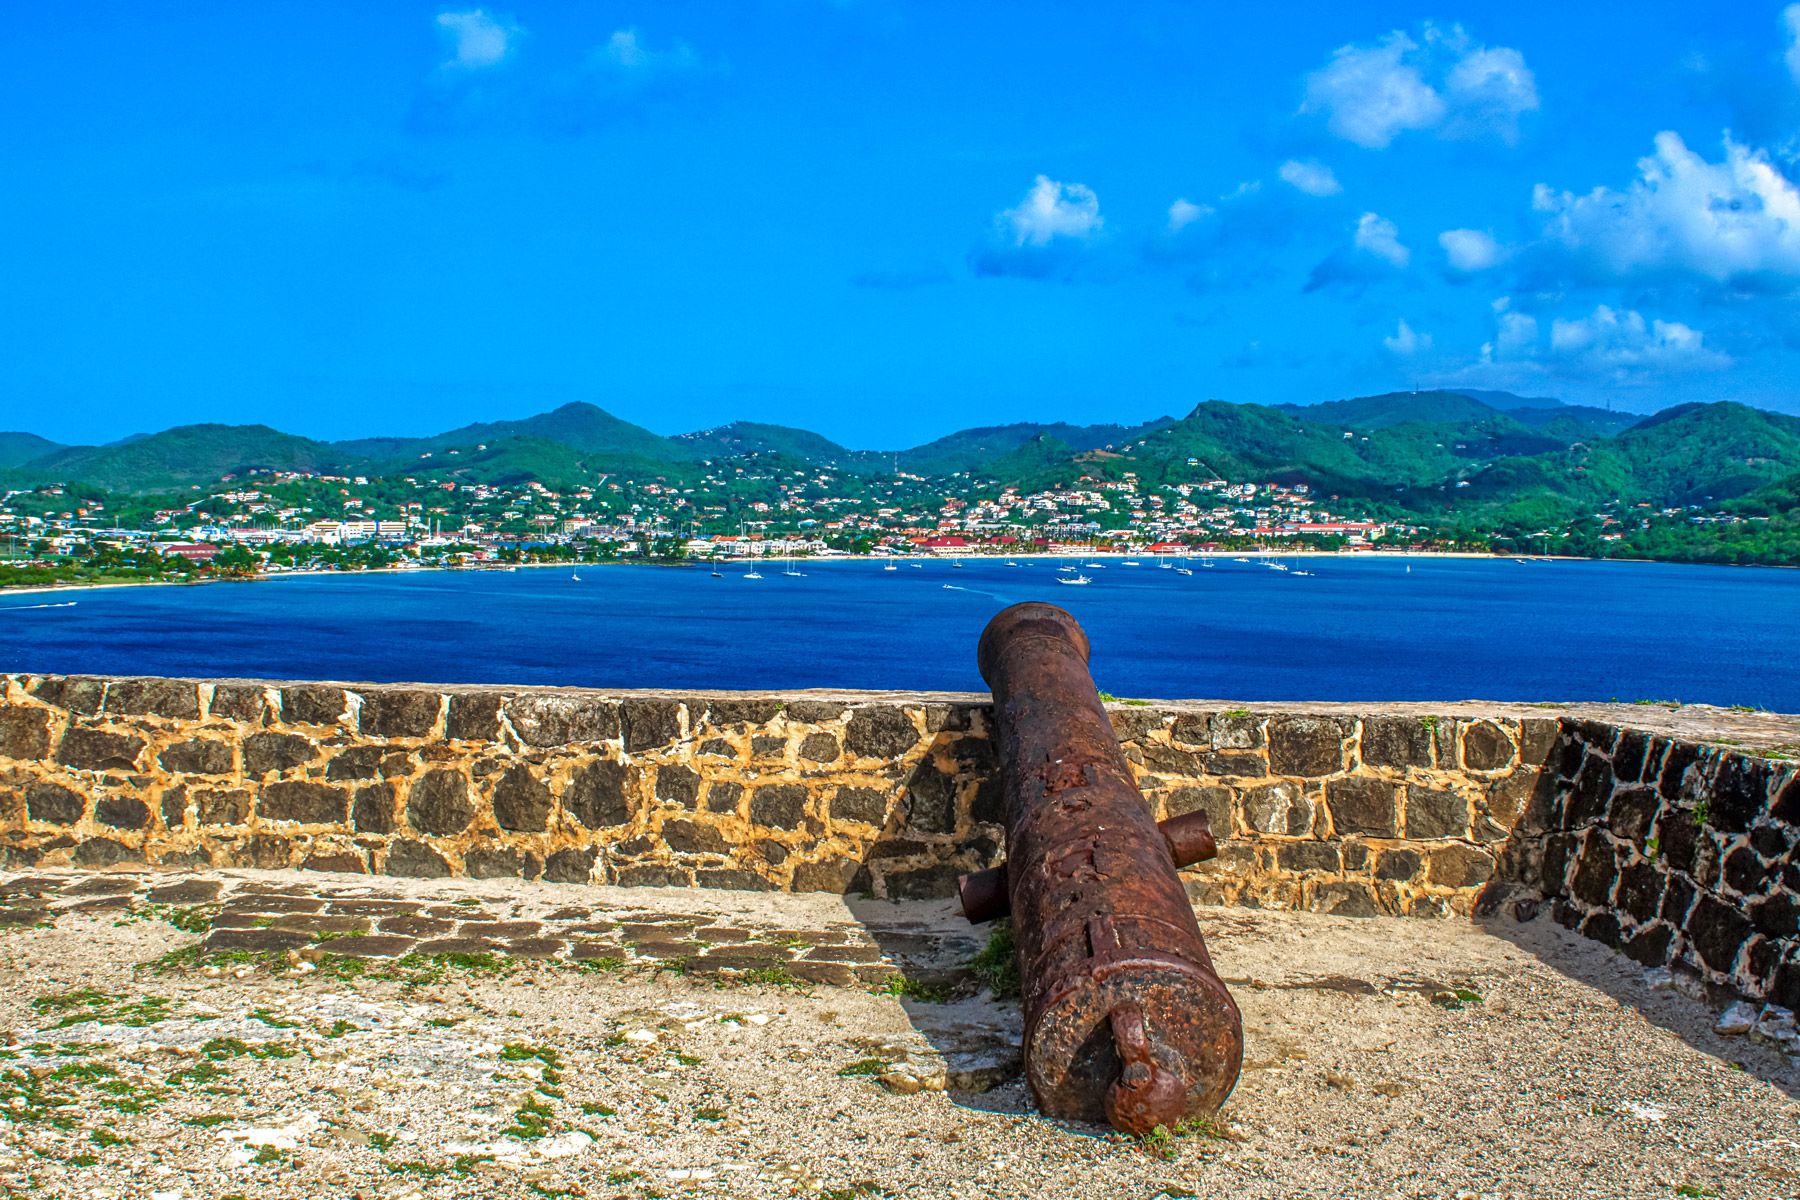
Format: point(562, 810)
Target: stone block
point(692, 837)
point(222, 806)
point(415, 860)
point(1216, 801)
point(198, 756)
point(1236, 731)
point(1680, 757)
point(522, 801)
point(596, 794)
point(73, 693)
point(493, 862)
point(1486, 746)
point(54, 803)
point(1344, 899)
point(1278, 808)
point(1396, 742)
point(400, 712)
point(104, 852)
point(343, 862)
point(1192, 729)
point(930, 800)
point(867, 805)
point(1717, 931)
point(1650, 945)
point(1133, 723)
point(768, 746)
point(440, 803)
point(778, 806)
point(835, 875)
point(473, 717)
point(121, 812)
point(1362, 805)
point(373, 809)
point(173, 699)
point(239, 702)
point(1399, 865)
point(820, 748)
point(1537, 738)
point(650, 724)
point(570, 865)
point(923, 883)
point(1640, 890)
point(1596, 868)
point(559, 720)
point(173, 805)
point(1740, 792)
point(24, 733)
point(1435, 813)
point(265, 752)
point(1459, 867)
point(313, 704)
point(734, 879)
point(303, 803)
point(1306, 746)
point(1310, 856)
point(730, 713)
point(1744, 873)
point(1776, 916)
point(100, 750)
point(880, 732)
point(676, 784)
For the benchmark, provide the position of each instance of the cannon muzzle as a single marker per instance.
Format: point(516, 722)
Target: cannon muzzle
point(1125, 1019)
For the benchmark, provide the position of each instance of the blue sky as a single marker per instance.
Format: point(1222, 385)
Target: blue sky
point(885, 221)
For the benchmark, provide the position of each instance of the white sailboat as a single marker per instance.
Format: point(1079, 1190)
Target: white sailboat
point(1076, 581)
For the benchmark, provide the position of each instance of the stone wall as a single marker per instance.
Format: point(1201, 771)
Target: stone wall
point(1672, 849)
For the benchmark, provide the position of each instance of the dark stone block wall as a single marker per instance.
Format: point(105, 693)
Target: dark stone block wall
point(1672, 851)
point(1670, 847)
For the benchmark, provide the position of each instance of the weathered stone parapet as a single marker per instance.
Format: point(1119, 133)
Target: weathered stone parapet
point(1672, 851)
point(1647, 835)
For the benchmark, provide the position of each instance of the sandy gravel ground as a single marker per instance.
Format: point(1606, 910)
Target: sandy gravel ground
point(1562, 1071)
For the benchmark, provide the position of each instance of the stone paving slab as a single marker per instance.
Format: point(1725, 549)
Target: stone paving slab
point(324, 917)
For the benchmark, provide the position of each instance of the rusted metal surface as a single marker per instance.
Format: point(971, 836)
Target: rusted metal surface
point(1125, 1019)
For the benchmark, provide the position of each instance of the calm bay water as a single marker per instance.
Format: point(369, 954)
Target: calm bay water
point(1354, 629)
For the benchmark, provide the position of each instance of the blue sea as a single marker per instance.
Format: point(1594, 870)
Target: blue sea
point(1355, 628)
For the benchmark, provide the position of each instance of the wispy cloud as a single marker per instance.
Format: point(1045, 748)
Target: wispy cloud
point(1406, 341)
point(1372, 93)
point(1375, 251)
point(1044, 235)
point(1313, 178)
point(1470, 251)
point(1615, 345)
point(1790, 20)
point(626, 57)
point(477, 39)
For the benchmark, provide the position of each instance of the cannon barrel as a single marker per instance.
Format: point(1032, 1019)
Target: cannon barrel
point(1125, 1019)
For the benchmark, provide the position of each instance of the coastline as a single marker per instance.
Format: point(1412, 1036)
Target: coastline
point(1111, 557)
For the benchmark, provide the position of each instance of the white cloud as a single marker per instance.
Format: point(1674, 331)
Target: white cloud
point(1790, 18)
point(1182, 213)
point(1313, 178)
point(1370, 94)
point(1470, 250)
point(626, 54)
point(1615, 344)
point(1736, 221)
point(1381, 237)
point(477, 39)
point(1052, 210)
point(1407, 341)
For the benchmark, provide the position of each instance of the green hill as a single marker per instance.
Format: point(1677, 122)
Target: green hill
point(16, 448)
point(1696, 453)
point(977, 449)
point(753, 437)
point(1397, 408)
point(187, 454)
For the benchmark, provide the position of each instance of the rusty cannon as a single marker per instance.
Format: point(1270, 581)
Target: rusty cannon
point(1125, 1019)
